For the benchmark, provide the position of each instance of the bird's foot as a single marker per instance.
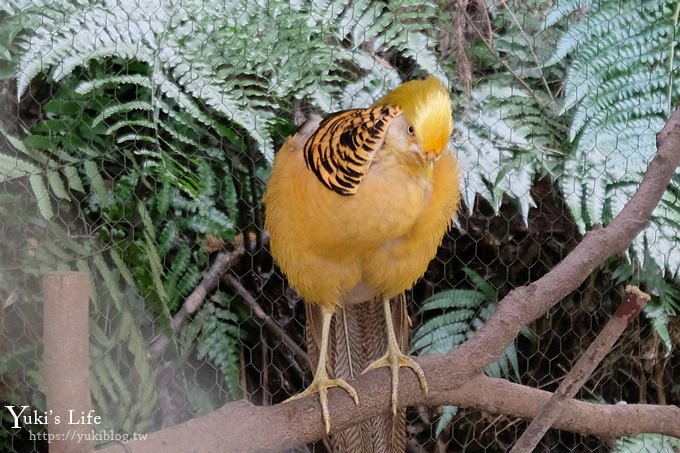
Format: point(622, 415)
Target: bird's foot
point(321, 384)
point(395, 359)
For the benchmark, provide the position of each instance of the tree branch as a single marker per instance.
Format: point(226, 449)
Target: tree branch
point(238, 426)
point(633, 302)
point(454, 378)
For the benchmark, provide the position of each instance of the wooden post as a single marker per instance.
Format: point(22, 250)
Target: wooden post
point(67, 363)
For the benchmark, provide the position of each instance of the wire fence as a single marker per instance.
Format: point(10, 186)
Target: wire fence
point(136, 141)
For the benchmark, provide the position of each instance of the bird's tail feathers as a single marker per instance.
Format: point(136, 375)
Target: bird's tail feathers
point(357, 338)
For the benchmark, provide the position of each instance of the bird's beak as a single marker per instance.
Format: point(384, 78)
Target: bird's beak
point(428, 164)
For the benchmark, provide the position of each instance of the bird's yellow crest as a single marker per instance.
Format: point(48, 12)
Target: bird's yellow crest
point(427, 106)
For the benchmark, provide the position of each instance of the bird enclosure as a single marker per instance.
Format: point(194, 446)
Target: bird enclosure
point(141, 308)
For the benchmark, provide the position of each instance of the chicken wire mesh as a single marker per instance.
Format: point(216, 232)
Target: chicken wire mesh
point(137, 140)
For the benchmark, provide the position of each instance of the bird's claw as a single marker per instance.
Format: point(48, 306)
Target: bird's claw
point(320, 385)
point(395, 359)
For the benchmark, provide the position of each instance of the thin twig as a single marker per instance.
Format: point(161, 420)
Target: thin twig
point(242, 372)
point(632, 303)
point(257, 215)
point(462, 61)
point(265, 318)
point(242, 204)
point(658, 381)
point(537, 14)
point(481, 4)
point(382, 61)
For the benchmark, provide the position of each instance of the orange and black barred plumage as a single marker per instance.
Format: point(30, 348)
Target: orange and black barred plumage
point(341, 150)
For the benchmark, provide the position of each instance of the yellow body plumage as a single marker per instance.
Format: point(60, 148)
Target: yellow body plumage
point(356, 206)
point(338, 248)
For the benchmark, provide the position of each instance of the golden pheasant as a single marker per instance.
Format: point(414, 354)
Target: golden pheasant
point(356, 207)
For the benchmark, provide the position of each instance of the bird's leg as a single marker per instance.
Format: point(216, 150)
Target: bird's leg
point(395, 359)
point(321, 383)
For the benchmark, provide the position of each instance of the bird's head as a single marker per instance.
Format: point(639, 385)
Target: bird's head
point(427, 119)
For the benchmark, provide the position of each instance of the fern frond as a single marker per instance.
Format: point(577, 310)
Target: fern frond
point(454, 298)
point(218, 341)
point(199, 58)
point(465, 312)
point(13, 167)
point(41, 195)
point(620, 86)
point(504, 140)
point(562, 9)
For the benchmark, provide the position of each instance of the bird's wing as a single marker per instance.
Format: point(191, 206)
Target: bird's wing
point(341, 149)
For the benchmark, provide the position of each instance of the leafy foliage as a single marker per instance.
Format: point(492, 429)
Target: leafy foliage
point(598, 139)
point(620, 89)
point(118, 350)
point(164, 114)
point(162, 185)
point(219, 56)
point(509, 128)
point(5, 434)
point(502, 139)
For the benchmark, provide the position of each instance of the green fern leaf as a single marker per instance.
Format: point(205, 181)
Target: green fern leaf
point(41, 195)
point(72, 178)
point(110, 280)
point(121, 108)
point(455, 298)
point(96, 182)
point(619, 90)
point(218, 341)
point(122, 267)
point(57, 185)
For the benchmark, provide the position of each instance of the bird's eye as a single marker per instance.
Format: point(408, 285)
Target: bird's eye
point(411, 131)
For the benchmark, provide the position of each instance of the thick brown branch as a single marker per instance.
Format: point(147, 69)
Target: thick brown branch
point(633, 302)
point(238, 426)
